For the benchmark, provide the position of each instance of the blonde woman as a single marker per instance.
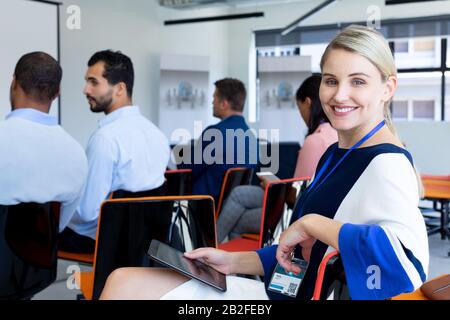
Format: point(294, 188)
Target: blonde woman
point(363, 201)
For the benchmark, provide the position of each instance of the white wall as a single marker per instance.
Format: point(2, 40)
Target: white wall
point(428, 143)
point(37, 31)
point(136, 28)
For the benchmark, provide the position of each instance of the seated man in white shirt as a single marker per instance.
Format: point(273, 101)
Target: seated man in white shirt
point(127, 151)
point(40, 162)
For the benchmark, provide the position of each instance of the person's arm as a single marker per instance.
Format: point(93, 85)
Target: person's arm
point(305, 232)
point(386, 252)
point(389, 254)
point(229, 262)
point(69, 207)
point(101, 157)
point(72, 200)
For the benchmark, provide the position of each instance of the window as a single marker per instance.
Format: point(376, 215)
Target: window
point(417, 44)
point(414, 109)
point(423, 110)
point(315, 51)
point(447, 96)
point(401, 46)
point(284, 51)
point(424, 45)
point(417, 52)
point(448, 53)
point(400, 110)
point(419, 95)
point(422, 89)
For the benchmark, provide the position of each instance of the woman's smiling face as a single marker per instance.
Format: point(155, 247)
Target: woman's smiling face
point(352, 92)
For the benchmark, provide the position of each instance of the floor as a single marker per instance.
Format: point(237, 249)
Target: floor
point(64, 289)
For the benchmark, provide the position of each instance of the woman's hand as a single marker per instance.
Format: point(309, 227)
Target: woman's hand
point(295, 235)
point(305, 232)
point(218, 259)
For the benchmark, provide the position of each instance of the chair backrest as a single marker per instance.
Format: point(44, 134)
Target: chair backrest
point(28, 248)
point(126, 227)
point(331, 279)
point(179, 182)
point(233, 177)
point(287, 162)
point(275, 201)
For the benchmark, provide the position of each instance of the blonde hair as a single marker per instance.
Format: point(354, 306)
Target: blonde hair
point(371, 45)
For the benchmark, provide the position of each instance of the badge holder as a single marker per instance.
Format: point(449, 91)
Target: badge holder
point(287, 283)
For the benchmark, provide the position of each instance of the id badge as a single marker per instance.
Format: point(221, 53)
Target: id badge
point(287, 283)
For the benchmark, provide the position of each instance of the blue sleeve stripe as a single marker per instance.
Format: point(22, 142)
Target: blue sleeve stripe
point(372, 268)
point(268, 259)
point(417, 264)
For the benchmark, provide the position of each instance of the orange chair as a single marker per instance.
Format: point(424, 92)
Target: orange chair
point(28, 246)
point(88, 258)
point(331, 279)
point(233, 177)
point(179, 182)
point(274, 207)
point(126, 227)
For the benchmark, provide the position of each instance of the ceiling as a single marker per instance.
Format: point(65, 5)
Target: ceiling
point(189, 4)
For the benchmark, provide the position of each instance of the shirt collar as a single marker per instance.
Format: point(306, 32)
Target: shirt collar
point(34, 116)
point(233, 116)
point(125, 111)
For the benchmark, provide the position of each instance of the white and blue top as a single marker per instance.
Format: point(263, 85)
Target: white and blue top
point(374, 192)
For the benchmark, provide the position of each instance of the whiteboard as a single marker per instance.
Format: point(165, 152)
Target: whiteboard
point(25, 26)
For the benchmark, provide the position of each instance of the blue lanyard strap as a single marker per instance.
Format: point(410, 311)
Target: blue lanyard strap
point(328, 161)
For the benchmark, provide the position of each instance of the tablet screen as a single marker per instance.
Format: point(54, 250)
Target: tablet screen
point(174, 259)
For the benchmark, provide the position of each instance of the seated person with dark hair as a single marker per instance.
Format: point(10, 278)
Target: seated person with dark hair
point(227, 144)
point(40, 161)
point(127, 151)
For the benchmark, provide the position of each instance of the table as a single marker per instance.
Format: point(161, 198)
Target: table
point(437, 189)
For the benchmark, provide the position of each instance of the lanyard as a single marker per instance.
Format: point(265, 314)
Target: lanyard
point(328, 161)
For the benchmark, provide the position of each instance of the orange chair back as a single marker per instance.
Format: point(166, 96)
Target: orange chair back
point(331, 279)
point(233, 177)
point(275, 196)
point(179, 182)
point(126, 227)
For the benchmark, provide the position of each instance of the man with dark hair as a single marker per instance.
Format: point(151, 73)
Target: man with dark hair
point(233, 91)
point(40, 162)
point(127, 151)
point(225, 145)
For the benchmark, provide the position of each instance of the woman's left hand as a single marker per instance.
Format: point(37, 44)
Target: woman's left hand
point(295, 235)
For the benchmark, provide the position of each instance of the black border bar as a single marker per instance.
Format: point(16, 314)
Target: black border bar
point(395, 2)
point(48, 2)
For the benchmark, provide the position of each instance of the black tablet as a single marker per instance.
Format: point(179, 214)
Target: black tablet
point(194, 269)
